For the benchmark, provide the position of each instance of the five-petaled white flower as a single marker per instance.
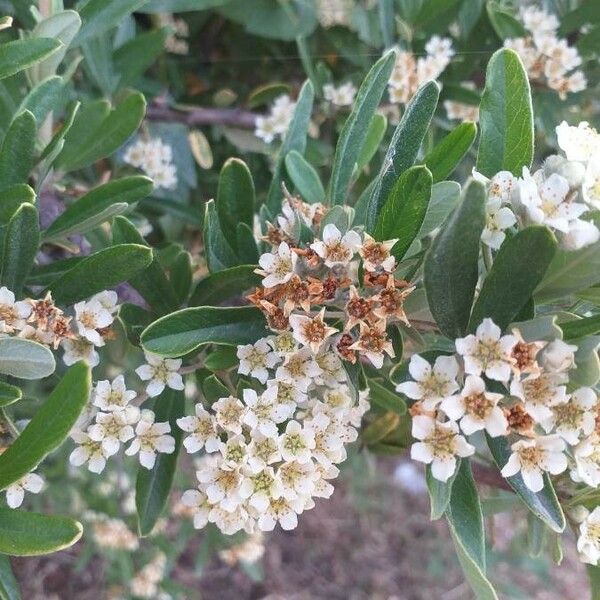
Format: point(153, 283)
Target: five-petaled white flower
point(498, 219)
point(299, 369)
point(80, 349)
point(202, 428)
point(336, 249)
point(91, 316)
point(575, 417)
point(229, 414)
point(534, 457)
point(198, 501)
point(476, 408)
point(114, 428)
point(430, 385)
point(588, 543)
point(540, 393)
point(260, 488)
point(256, 359)
point(222, 485)
point(15, 492)
point(160, 373)
point(487, 351)
point(278, 266)
point(13, 315)
point(150, 438)
point(587, 461)
point(311, 331)
point(282, 511)
point(265, 412)
point(112, 395)
point(377, 255)
point(296, 442)
point(439, 444)
point(88, 451)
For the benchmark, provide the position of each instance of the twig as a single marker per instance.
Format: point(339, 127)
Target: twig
point(12, 428)
point(235, 117)
point(489, 476)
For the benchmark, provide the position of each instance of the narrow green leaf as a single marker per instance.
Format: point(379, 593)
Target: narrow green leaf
point(20, 54)
point(304, 177)
point(219, 253)
point(295, 139)
point(185, 330)
point(265, 94)
point(445, 196)
point(93, 208)
point(439, 492)
point(511, 281)
point(504, 23)
point(135, 56)
point(506, 117)
point(578, 328)
point(9, 394)
point(25, 359)
point(56, 144)
point(99, 16)
point(9, 588)
point(12, 198)
point(373, 138)
point(44, 275)
point(221, 359)
point(402, 215)
point(223, 285)
point(544, 504)
point(100, 271)
point(404, 146)
point(445, 157)
point(247, 250)
point(594, 577)
point(451, 265)
point(49, 426)
point(18, 149)
point(235, 198)
point(31, 534)
point(213, 389)
point(356, 126)
point(43, 98)
point(381, 396)
point(153, 486)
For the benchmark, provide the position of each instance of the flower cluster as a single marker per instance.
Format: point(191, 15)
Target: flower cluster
point(276, 123)
point(548, 59)
point(505, 386)
point(411, 72)
point(145, 582)
point(176, 42)
point(560, 195)
point(112, 534)
point(588, 543)
point(334, 12)
point(155, 158)
point(342, 95)
point(460, 111)
point(42, 321)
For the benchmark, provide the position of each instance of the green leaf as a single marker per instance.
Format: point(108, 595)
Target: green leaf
point(49, 426)
point(43, 98)
point(100, 271)
point(446, 155)
point(185, 330)
point(235, 198)
point(99, 16)
point(25, 359)
point(44, 275)
point(465, 520)
point(20, 54)
point(404, 146)
point(402, 215)
point(98, 205)
point(504, 23)
point(451, 265)
point(219, 253)
point(375, 134)
point(104, 133)
point(357, 125)
point(384, 398)
point(265, 94)
point(31, 534)
point(223, 285)
point(304, 177)
point(154, 485)
point(544, 504)
point(439, 492)
point(160, 6)
point(18, 149)
point(578, 328)
point(445, 196)
point(505, 117)
point(586, 12)
point(295, 139)
point(151, 282)
point(21, 242)
point(570, 272)
point(247, 250)
point(12, 198)
point(594, 577)
point(9, 394)
point(213, 389)
point(221, 359)
point(56, 144)
point(510, 283)
point(9, 588)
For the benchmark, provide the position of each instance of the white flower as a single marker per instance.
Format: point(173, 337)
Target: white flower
point(229, 522)
point(538, 20)
point(111, 396)
point(439, 445)
point(115, 428)
point(299, 369)
point(476, 408)
point(265, 129)
point(265, 412)
point(377, 255)
point(440, 47)
point(333, 372)
point(198, 501)
point(202, 429)
point(590, 188)
point(278, 266)
point(234, 452)
point(89, 317)
point(533, 457)
point(342, 95)
point(160, 372)
point(487, 351)
point(88, 451)
point(13, 315)
point(80, 349)
point(540, 392)
point(222, 485)
point(588, 543)
point(282, 343)
point(324, 489)
point(587, 461)
point(574, 418)
point(430, 385)
point(558, 356)
point(108, 299)
point(498, 219)
point(296, 443)
point(297, 479)
point(329, 446)
point(16, 491)
point(229, 414)
point(150, 438)
point(580, 234)
point(578, 143)
point(311, 331)
point(256, 359)
point(260, 488)
point(283, 511)
point(336, 249)
point(262, 451)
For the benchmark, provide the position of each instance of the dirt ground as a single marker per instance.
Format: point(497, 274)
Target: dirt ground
point(372, 540)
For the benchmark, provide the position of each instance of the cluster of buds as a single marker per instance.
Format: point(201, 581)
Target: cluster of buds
point(86, 328)
point(562, 195)
point(548, 59)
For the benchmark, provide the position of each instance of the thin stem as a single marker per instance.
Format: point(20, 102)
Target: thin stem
point(488, 261)
point(14, 432)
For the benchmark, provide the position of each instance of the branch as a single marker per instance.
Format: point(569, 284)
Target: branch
point(489, 476)
point(235, 117)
